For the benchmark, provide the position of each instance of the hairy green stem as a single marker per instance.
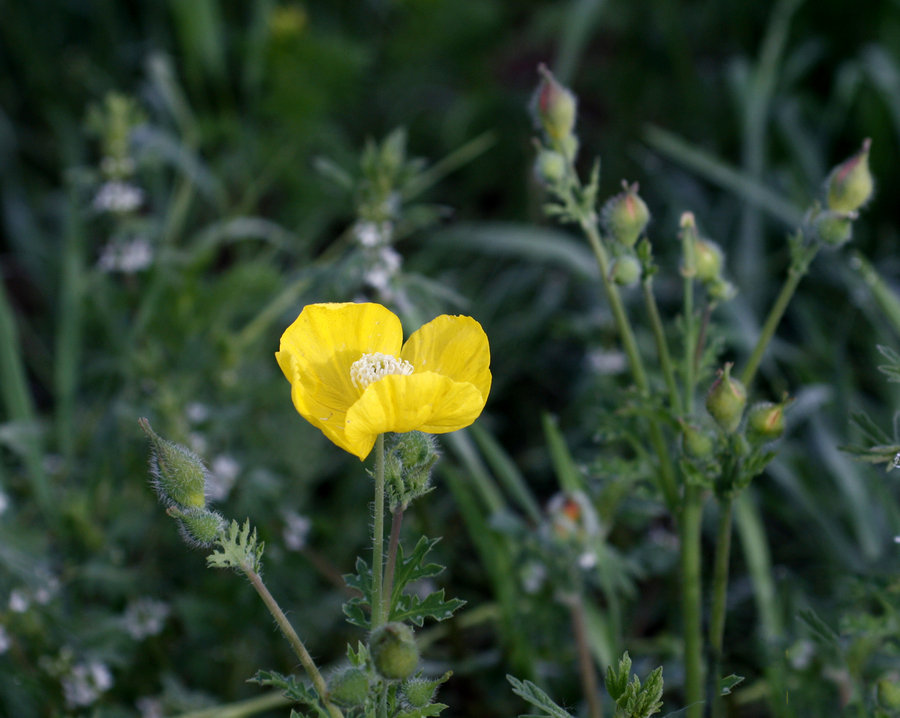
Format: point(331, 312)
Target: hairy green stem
point(691, 599)
point(378, 607)
point(719, 596)
point(291, 635)
point(666, 471)
point(585, 662)
point(659, 335)
point(393, 546)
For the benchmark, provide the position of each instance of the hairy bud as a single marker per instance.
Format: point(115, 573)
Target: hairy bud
point(555, 107)
point(726, 400)
point(625, 216)
point(394, 651)
point(179, 475)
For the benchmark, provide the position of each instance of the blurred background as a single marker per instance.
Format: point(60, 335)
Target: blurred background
point(178, 178)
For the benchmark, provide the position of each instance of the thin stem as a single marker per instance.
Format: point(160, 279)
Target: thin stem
point(585, 662)
point(665, 359)
point(639, 374)
point(691, 605)
point(393, 545)
point(378, 609)
point(291, 635)
point(795, 274)
point(720, 592)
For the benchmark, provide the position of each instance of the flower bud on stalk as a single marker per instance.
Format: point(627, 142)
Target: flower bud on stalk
point(834, 228)
point(549, 167)
point(555, 107)
point(726, 401)
point(626, 270)
point(394, 651)
point(350, 687)
point(765, 421)
point(708, 260)
point(696, 443)
point(179, 475)
point(850, 184)
point(199, 527)
point(626, 216)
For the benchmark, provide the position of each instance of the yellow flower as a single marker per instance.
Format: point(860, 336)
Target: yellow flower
point(351, 378)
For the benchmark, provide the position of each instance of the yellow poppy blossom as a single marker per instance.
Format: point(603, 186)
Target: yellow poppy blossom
point(353, 377)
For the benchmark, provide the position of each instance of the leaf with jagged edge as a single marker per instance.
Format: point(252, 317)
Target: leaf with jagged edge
point(412, 608)
point(354, 608)
point(291, 688)
point(238, 549)
point(432, 709)
point(529, 692)
point(416, 610)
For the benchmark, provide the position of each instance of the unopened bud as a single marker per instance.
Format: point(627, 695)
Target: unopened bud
point(394, 651)
point(625, 216)
point(419, 693)
point(721, 290)
point(350, 687)
point(626, 270)
point(179, 475)
point(765, 421)
point(555, 107)
point(707, 260)
point(850, 184)
point(726, 400)
point(549, 167)
point(696, 443)
point(834, 228)
point(199, 527)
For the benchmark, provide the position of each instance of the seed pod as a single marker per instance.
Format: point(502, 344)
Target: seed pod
point(394, 651)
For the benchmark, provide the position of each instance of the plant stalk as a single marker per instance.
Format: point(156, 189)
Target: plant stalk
point(378, 607)
point(662, 348)
point(393, 546)
point(719, 596)
point(585, 662)
point(691, 599)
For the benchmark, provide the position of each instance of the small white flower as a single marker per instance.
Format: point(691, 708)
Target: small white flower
point(296, 530)
point(126, 257)
point(383, 269)
point(18, 601)
point(85, 682)
point(223, 473)
point(118, 197)
point(196, 412)
point(145, 617)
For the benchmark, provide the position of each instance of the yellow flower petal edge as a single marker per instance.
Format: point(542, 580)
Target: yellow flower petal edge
point(446, 390)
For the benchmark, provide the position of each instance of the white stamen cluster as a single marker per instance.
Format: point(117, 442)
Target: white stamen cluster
point(370, 368)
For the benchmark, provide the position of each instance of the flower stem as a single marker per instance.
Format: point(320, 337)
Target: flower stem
point(720, 591)
point(639, 374)
point(691, 601)
point(665, 359)
point(393, 545)
point(291, 635)
point(585, 662)
point(378, 607)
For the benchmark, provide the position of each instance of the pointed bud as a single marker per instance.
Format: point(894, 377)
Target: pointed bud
point(350, 687)
point(850, 184)
point(765, 421)
point(394, 651)
point(625, 216)
point(726, 400)
point(626, 270)
point(708, 260)
point(554, 106)
point(179, 475)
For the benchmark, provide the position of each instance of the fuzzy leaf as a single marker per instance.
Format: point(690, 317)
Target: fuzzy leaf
point(529, 692)
point(238, 549)
point(416, 610)
point(292, 689)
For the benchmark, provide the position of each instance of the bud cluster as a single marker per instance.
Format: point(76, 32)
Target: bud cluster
point(704, 260)
point(180, 479)
point(407, 467)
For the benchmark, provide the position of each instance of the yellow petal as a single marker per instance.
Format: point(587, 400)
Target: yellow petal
point(454, 346)
point(317, 351)
point(424, 401)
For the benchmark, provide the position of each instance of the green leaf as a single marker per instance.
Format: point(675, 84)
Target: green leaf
point(432, 709)
point(292, 689)
point(238, 549)
point(617, 680)
point(416, 610)
point(529, 692)
point(728, 682)
point(354, 608)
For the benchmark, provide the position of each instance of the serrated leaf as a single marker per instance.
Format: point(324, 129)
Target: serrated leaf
point(728, 682)
point(355, 608)
point(416, 610)
point(413, 567)
point(238, 549)
point(617, 679)
point(529, 692)
point(432, 709)
point(873, 431)
point(290, 686)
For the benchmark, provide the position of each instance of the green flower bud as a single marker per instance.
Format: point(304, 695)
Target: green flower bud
point(350, 687)
point(199, 527)
point(419, 693)
point(696, 443)
point(554, 106)
point(179, 475)
point(707, 260)
point(625, 216)
point(569, 147)
point(549, 167)
point(626, 270)
point(408, 464)
point(765, 421)
point(834, 228)
point(394, 651)
point(888, 691)
point(721, 289)
point(726, 400)
point(850, 184)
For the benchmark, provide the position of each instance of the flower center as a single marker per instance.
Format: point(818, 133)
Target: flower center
point(370, 368)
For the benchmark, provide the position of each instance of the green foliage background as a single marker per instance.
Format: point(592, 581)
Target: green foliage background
point(734, 111)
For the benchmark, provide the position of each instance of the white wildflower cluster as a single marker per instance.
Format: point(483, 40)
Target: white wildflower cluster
point(382, 269)
point(126, 257)
point(118, 197)
point(85, 682)
point(296, 530)
point(145, 617)
point(373, 234)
